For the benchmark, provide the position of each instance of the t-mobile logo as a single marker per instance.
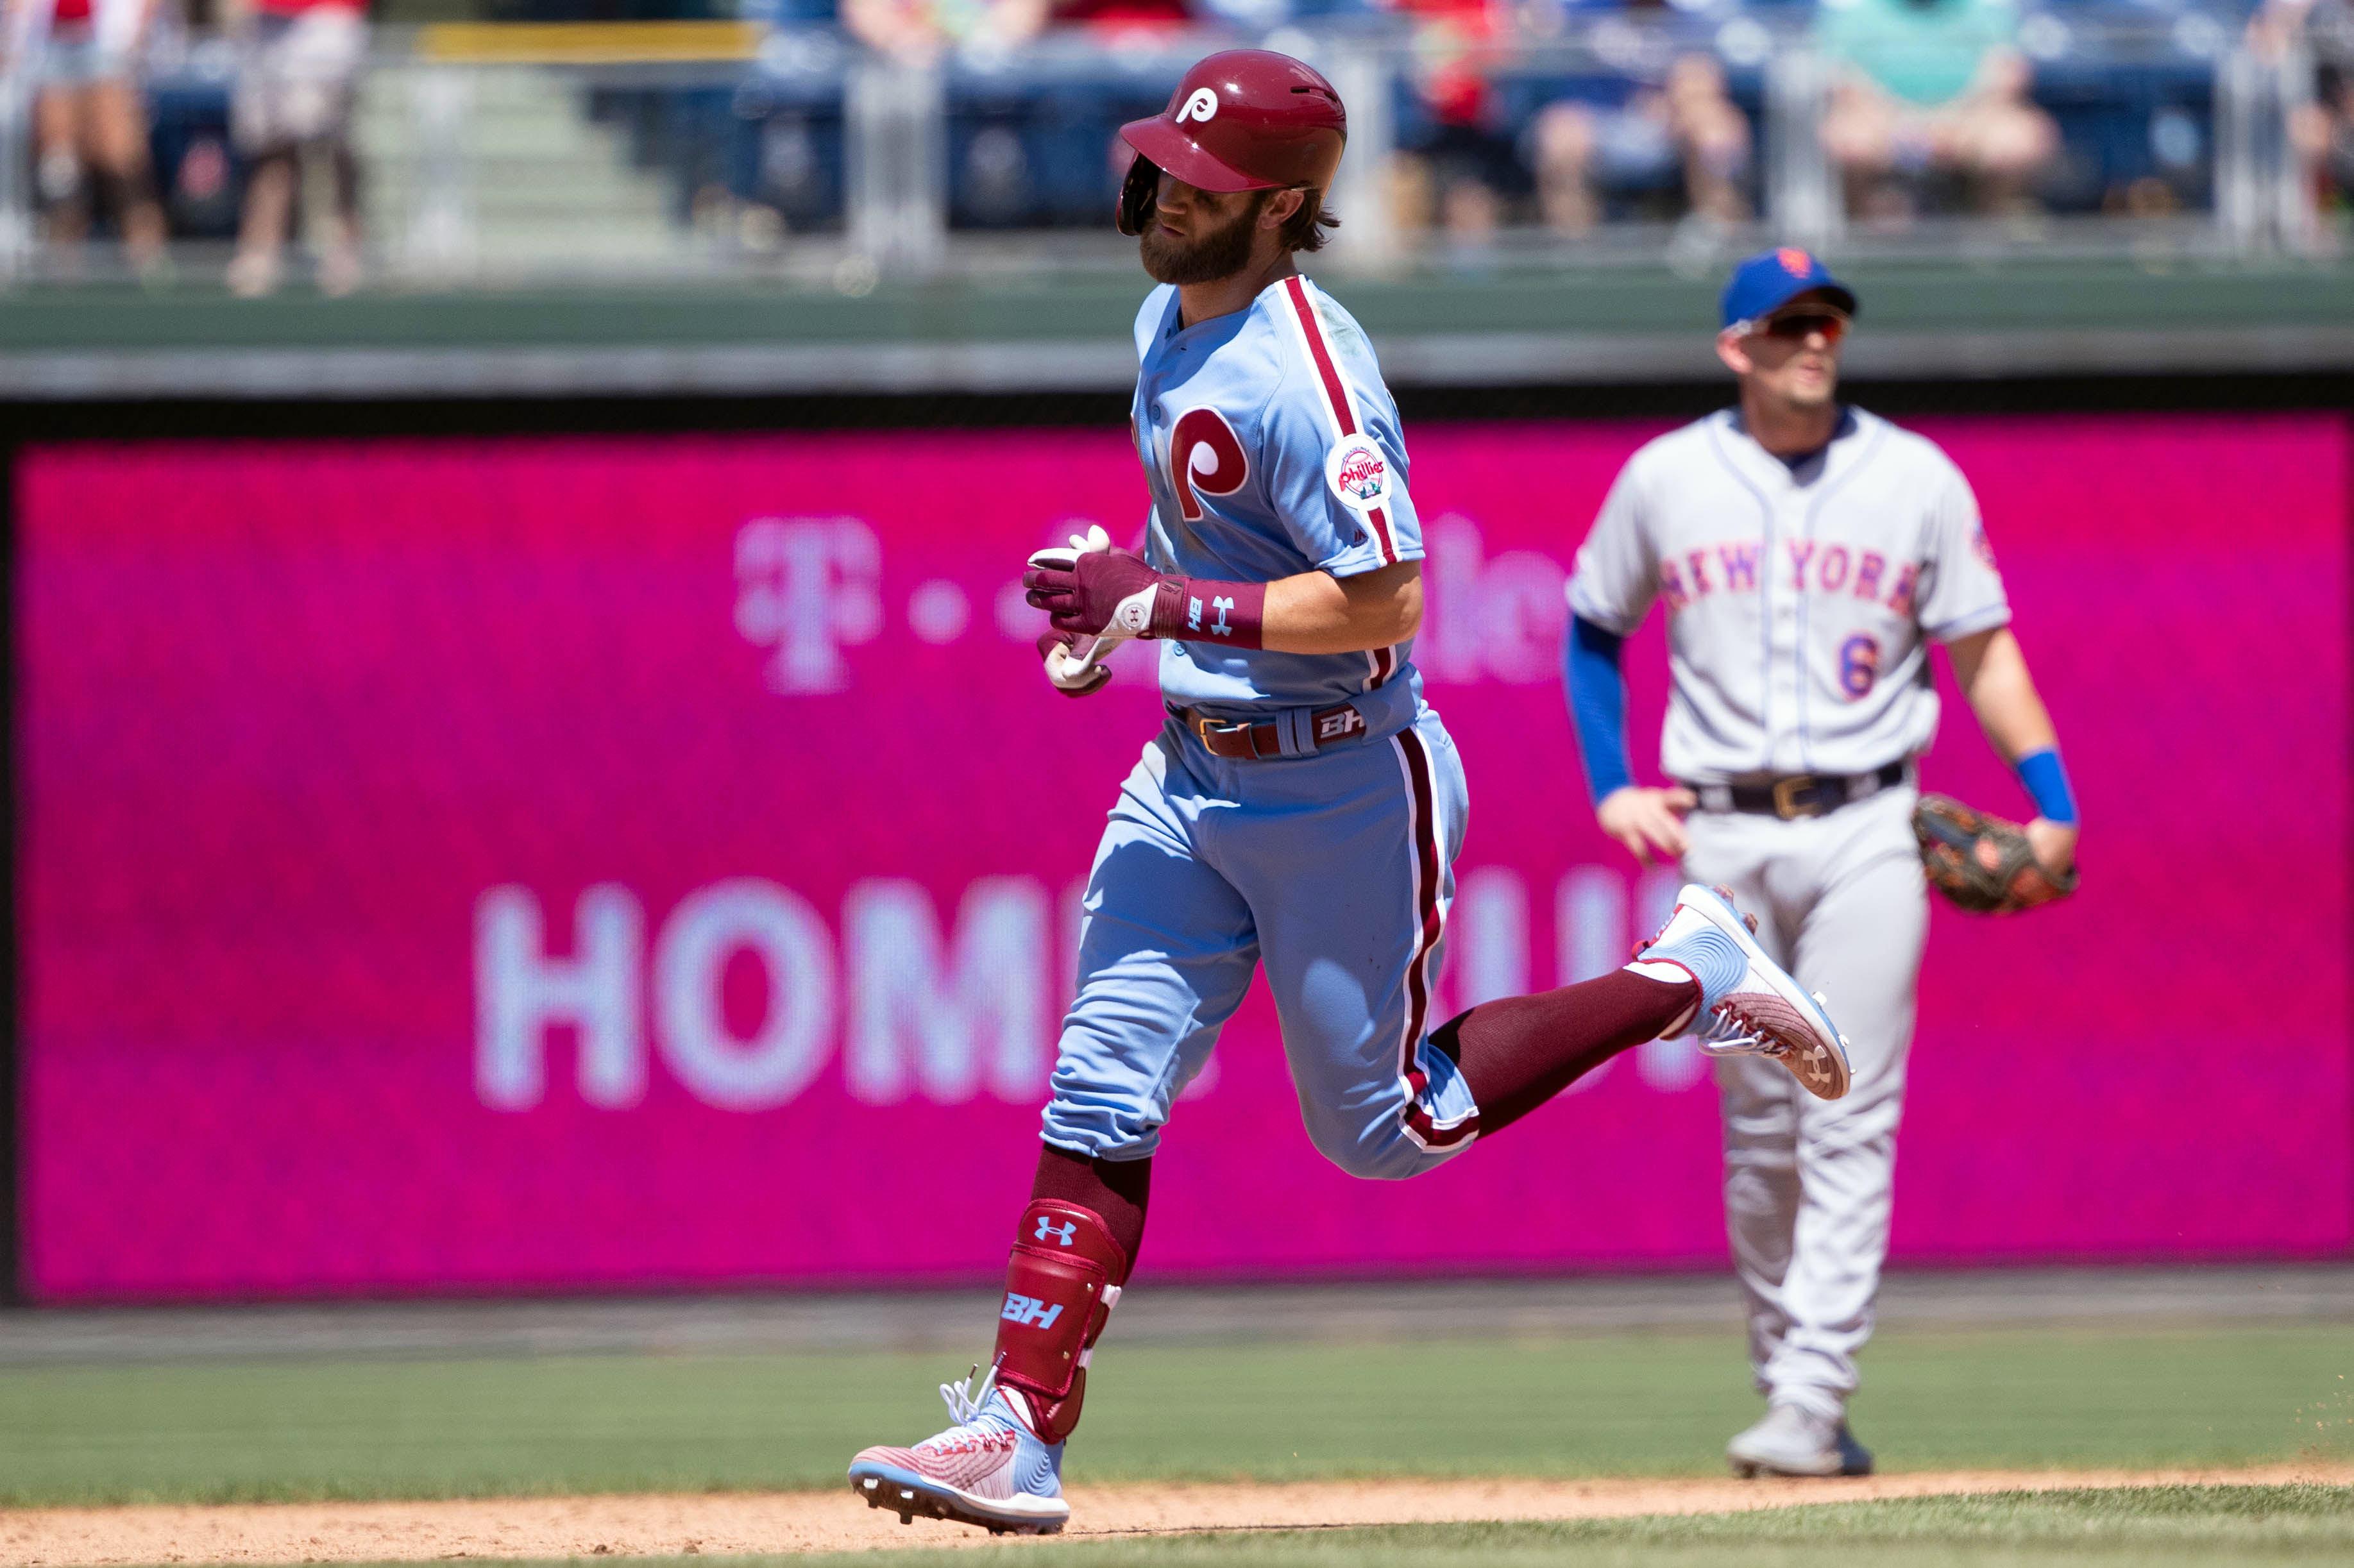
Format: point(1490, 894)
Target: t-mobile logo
point(808, 588)
point(1029, 1311)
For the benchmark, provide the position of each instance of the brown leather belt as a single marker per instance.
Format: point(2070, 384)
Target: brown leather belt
point(1798, 795)
point(1243, 740)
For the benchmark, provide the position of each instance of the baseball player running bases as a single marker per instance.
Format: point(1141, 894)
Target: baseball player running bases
point(1807, 553)
point(1300, 808)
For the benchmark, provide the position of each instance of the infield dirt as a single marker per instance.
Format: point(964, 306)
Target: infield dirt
point(790, 1522)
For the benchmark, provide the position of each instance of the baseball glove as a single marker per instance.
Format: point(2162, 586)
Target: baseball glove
point(1982, 864)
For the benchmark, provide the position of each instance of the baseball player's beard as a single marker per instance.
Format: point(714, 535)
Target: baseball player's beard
point(1221, 253)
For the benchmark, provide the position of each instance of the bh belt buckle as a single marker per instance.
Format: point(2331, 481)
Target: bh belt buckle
point(1787, 804)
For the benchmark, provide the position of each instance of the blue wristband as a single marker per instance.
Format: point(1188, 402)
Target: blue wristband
point(2046, 780)
point(1597, 705)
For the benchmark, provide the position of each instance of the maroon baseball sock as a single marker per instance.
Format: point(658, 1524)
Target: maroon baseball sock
point(1036, 1349)
point(1117, 1190)
point(1518, 1053)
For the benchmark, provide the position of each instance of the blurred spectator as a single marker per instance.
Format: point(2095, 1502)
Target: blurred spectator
point(1122, 15)
point(922, 30)
point(1473, 164)
point(90, 123)
point(1458, 170)
point(595, 10)
point(1687, 126)
point(298, 64)
point(2322, 131)
point(1931, 87)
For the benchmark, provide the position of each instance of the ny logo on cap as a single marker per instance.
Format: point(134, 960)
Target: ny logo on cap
point(1795, 262)
point(1202, 105)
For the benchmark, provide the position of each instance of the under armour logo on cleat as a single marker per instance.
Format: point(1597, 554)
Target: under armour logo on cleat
point(1065, 1233)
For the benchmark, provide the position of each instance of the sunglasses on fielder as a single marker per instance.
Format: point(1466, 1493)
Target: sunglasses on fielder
point(1799, 325)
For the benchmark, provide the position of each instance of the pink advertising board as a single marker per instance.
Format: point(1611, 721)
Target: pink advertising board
point(472, 865)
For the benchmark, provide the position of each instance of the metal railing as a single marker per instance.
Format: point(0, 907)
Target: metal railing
point(884, 135)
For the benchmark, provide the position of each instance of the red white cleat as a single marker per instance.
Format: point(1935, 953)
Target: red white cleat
point(1749, 1004)
point(987, 1469)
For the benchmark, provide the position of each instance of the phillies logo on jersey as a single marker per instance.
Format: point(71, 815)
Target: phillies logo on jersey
point(1205, 457)
point(1357, 473)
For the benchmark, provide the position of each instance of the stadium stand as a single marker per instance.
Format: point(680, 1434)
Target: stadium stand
point(564, 134)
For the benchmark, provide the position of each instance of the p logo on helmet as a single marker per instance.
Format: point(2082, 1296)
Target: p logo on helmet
point(1241, 119)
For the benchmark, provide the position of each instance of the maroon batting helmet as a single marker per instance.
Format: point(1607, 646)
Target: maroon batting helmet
point(1243, 120)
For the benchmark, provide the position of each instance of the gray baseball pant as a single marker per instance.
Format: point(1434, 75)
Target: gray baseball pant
point(1841, 903)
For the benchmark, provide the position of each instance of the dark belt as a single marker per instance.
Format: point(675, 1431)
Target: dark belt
point(1244, 741)
point(1800, 794)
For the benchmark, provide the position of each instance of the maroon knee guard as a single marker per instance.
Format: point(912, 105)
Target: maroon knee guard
point(1060, 1282)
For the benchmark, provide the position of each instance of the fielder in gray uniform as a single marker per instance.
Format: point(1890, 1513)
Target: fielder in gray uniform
point(1807, 553)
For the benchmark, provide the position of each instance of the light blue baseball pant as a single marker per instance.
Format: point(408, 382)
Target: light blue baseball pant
point(1335, 870)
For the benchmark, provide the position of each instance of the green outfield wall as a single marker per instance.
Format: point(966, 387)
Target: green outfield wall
point(1504, 326)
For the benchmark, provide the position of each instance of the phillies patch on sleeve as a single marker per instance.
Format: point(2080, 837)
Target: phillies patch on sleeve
point(1357, 473)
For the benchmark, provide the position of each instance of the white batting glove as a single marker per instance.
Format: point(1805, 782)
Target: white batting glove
point(1085, 671)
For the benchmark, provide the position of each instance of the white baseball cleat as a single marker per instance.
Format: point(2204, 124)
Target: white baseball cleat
point(1795, 1441)
point(1749, 1004)
point(988, 1468)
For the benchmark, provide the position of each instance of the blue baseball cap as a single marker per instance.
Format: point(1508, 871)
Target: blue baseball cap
point(1772, 279)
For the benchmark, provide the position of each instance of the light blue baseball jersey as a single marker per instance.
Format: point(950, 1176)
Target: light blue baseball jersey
point(1272, 449)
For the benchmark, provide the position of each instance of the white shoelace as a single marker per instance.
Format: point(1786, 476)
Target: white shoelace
point(1730, 1035)
point(965, 1407)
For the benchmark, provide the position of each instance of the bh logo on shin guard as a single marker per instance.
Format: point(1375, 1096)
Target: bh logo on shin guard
point(1029, 1311)
point(1065, 1233)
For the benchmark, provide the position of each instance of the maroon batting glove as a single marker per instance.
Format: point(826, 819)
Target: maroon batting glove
point(1103, 590)
point(1116, 590)
point(1074, 644)
point(1049, 589)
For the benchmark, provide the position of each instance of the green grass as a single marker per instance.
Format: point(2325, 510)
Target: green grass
point(2157, 1525)
point(1606, 1405)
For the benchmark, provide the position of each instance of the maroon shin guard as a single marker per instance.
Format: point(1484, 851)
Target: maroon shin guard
point(1072, 1252)
point(1519, 1052)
